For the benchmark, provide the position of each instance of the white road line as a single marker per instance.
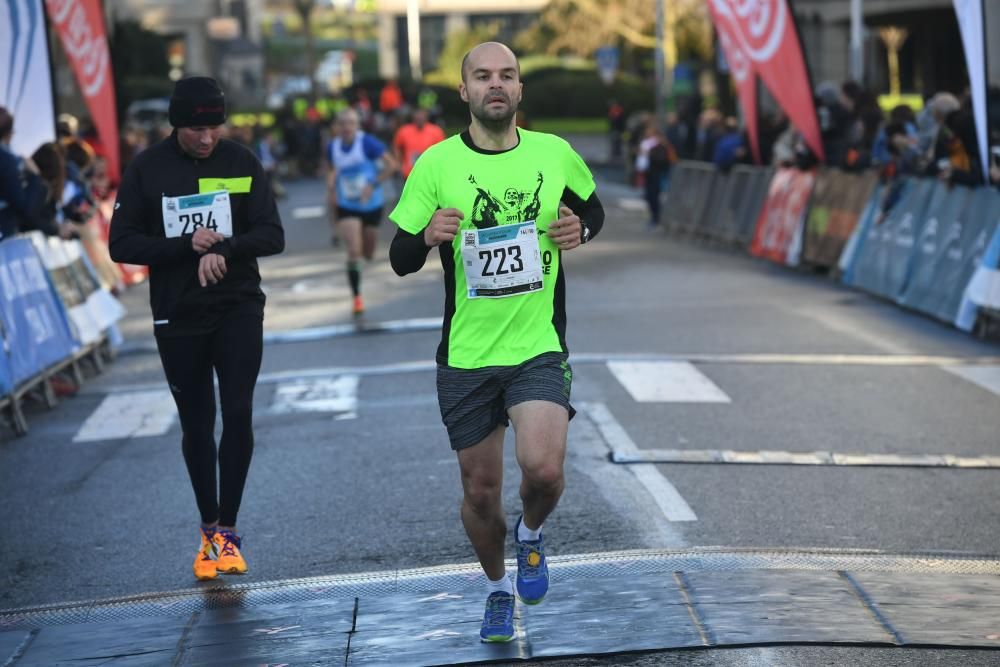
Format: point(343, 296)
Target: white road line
point(424, 366)
point(773, 457)
point(308, 334)
point(666, 382)
point(133, 415)
point(632, 204)
point(791, 359)
point(844, 321)
point(987, 377)
point(304, 212)
point(338, 395)
point(670, 501)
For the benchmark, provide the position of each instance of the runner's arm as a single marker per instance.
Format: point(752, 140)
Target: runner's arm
point(591, 211)
point(128, 239)
point(264, 235)
point(408, 252)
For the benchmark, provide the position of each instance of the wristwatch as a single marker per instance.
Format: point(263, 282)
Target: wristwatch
point(584, 233)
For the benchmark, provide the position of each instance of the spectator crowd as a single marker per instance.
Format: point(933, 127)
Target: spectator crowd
point(937, 141)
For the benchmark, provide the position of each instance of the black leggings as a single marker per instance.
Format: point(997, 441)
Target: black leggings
point(234, 350)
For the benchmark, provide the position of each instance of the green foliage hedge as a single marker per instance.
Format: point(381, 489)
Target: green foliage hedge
point(558, 93)
point(562, 93)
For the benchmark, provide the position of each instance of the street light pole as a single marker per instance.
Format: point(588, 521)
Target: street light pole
point(305, 7)
point(413, 37)
point(857, 55)
point(660, 88)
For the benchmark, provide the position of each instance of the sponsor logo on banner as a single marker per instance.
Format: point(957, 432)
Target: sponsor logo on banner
point(759, 39)
point(746, 83)
point(80, 25)
point(779, 229)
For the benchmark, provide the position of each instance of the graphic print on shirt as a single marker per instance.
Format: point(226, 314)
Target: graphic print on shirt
point(514, 207)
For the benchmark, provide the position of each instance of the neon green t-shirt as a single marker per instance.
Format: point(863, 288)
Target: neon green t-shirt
point(491, 189)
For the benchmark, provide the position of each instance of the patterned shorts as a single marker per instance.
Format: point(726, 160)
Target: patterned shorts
point(475, 401)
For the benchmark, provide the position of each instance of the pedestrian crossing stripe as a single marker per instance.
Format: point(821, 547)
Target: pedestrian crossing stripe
point(337, 395)
point(666, 382)
point(132, 415)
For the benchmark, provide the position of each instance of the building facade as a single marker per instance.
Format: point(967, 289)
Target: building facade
point(931, 58)
point(218, 38)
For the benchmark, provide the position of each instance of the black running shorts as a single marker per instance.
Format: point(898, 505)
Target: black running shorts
point(475, 401)
point(368, 218)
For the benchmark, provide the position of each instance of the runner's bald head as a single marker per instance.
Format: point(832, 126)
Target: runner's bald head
point(471, 59)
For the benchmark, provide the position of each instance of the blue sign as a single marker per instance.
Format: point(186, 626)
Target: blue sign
point(608, 58)
point(36, 332)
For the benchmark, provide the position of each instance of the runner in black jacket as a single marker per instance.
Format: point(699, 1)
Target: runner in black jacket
point(198, 210)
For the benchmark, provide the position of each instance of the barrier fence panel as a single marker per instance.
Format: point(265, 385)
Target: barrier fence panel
point(983, 288)
point(949, 249)
point(35, 328)
point(722, 219)
point(708, 223)
point(778, 236)
point(750, 210)
point(849, 256)
point(690, 187)
point(105, 310)
point(838, 201)
point(883, 260)
point(91, 308)
point(6, 381)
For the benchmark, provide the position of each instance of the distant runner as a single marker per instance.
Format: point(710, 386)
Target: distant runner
point(358, 165)
point(413, 139)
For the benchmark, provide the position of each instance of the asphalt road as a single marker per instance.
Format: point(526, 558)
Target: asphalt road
point(365, 480)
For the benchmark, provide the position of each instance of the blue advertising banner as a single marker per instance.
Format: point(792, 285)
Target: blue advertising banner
point(950, 249)
point(983, 288)
point(5, 380)
point(35, 326)
point(849, 256)
point(884, 254)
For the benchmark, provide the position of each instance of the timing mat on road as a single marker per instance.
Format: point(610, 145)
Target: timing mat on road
point(598, 604)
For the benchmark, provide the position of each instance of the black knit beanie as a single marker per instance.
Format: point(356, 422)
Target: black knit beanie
point(197, 101)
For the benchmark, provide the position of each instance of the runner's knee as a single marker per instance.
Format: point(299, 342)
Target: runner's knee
point(482, 493)
point(545, 475)
point(237, 414)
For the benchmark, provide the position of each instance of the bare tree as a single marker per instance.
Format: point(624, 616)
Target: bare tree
point(581, 26)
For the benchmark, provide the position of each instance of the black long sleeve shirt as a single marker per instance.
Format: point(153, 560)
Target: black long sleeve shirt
point(180, 305)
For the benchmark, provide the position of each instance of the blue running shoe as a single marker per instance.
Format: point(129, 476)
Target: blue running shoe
point(498, 621)
point(532, 570)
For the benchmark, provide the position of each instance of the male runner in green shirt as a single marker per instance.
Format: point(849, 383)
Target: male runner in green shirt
point(501, 205)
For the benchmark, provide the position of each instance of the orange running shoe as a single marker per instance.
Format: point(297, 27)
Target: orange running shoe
point(206, 560)
point(359, 305)
point(230, 559)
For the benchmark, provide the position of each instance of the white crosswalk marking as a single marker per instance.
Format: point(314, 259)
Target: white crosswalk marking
point(666, 382)
point(132, 415)
point(632, 204)
point(338, 395)
point(664, 494)
point(987, 377)
point(306, 212)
